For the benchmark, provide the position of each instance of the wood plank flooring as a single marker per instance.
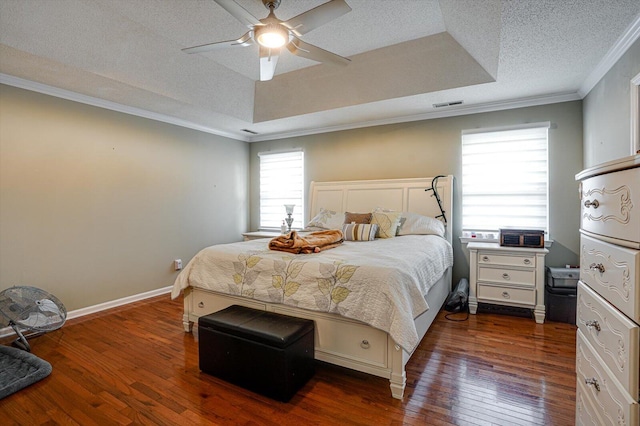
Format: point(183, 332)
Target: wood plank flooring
point(135, 365)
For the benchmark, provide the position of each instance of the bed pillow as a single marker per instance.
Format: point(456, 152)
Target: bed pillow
point(357, 217)
point(325, 219)
point(359, 231)
point(387, 223)
point(416, 224)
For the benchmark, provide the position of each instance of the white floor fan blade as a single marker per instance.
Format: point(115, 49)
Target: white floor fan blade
point(316, 17)
point(268, 62)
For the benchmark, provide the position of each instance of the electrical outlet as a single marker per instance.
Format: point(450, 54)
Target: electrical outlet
point(177, 264)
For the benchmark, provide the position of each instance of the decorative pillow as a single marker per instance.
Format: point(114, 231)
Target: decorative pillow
point(357, 217)
point(326, 219)
point(387, 223)
point(416, 224)
point(359, 231)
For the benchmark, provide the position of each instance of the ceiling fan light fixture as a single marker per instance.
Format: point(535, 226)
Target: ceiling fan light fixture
point(272, 36)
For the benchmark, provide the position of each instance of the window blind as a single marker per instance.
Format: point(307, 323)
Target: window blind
point(281, 182)
point(505, 179)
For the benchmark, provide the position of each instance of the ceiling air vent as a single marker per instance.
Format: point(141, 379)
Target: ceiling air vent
point(446, 104)
point(250, 131)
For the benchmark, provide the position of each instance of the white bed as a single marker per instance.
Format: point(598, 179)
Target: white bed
point(365, 344)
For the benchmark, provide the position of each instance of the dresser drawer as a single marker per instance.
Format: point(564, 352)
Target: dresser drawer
point(507, 276)
point(586, 412)
point(610, 205)
point(612, 335)
point(506, 295)
point(350, 339)
point(613, 272)
point(491, 258)
point(613, 404)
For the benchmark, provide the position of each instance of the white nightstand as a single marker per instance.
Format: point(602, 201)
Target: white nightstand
point(259, 234)
point(510, 276)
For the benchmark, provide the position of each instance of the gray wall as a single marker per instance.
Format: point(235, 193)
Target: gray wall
point(607, 112)
point(95, 205)
point(431, 147)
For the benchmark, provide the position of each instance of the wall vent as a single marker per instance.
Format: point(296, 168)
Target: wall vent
point(250, 131)
point(446, 104)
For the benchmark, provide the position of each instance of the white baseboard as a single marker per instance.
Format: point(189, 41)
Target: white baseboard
point(6, 331)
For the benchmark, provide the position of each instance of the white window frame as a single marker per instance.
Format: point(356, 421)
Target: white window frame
point(474, 180)
point(281, 182)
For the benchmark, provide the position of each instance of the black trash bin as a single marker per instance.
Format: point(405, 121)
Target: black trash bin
point(560, 294)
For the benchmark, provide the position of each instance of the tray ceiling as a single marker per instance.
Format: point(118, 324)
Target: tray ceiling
point(406, 56)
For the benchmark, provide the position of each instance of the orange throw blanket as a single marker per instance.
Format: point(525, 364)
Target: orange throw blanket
point(314, 242)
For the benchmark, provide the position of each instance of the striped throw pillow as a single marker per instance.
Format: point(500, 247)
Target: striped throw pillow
point(359, 231)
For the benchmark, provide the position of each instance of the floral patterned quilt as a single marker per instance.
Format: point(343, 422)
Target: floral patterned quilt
point(381, 283)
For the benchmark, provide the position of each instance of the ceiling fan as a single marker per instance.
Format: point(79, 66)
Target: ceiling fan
point(271, 33)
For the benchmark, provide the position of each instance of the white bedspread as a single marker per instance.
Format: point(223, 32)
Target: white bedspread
point(381, 283)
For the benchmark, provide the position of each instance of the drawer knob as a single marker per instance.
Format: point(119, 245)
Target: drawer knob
point(505, 276)
point(527, 262)
point(597, 267)
point(485, 258)
point(593, 382)
point(364, 344)
point(594, 204)
point(505, 294)
point(594, 324)
point(200, 304)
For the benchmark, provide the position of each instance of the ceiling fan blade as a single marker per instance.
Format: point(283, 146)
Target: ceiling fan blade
point(243, 41)
point(268, 62)
point(313, 18)
point(309, 51)
point(239, 12)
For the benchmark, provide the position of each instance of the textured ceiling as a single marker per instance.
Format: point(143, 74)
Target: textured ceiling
point(406, 56)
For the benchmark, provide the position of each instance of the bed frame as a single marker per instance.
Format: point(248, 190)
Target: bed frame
point(338, 340)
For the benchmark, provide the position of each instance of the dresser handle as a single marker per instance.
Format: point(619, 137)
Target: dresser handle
point(593, 382)
point(594, 324)
point(527, 262)
point(485, 258)
point(594, 204)
point(597, 267)
point(364, 344)
point(506, 295)
point(506, 276)
point(201, 305)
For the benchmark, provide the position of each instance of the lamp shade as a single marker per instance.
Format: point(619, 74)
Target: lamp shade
point(289, 208)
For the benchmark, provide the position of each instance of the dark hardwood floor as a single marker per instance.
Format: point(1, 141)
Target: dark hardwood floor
point(135, 365)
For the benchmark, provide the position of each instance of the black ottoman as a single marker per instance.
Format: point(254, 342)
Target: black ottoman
point(265, 352)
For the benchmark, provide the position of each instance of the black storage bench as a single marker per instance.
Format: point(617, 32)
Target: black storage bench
point(268, 353)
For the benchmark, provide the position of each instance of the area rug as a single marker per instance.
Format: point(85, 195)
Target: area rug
point(19, 369)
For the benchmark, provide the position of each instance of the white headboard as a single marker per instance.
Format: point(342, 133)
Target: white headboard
point(407, 195)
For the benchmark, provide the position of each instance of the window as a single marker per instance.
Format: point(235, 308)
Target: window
point(505, 179)
point(281, 182)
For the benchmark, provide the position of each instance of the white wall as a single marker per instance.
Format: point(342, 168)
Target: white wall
point(607, 112)
point(95, 205)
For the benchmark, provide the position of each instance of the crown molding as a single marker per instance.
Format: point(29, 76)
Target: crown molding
point(113, 106)
point(609, 60)
point(453, 112)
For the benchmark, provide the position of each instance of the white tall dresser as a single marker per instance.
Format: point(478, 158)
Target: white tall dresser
point(608, 303)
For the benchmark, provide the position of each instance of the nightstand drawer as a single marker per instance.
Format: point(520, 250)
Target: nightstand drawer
point(506, 295)
point(507, 276)
point(490, 258)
